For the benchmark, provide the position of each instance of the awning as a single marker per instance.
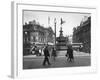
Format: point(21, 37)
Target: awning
point(50, 43)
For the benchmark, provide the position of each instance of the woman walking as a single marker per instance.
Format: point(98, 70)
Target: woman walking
point(54, 54)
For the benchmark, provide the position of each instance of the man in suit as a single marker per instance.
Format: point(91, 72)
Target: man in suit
point(46, 56)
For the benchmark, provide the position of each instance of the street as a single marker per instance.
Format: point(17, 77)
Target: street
point(80, 59)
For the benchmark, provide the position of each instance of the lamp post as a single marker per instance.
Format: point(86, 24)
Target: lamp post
point(55, 30)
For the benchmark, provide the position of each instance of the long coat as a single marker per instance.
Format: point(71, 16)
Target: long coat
point(46, 53)
point(70, 53)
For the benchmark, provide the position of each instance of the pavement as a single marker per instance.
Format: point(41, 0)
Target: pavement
point(61, 54)
point(34, 62)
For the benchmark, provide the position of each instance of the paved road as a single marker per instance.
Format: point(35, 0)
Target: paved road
point(33, 62)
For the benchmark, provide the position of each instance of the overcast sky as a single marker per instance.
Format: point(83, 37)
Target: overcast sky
point(71, 19)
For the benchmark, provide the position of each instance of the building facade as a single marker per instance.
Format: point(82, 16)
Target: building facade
point(35, 34)
point(82, 34)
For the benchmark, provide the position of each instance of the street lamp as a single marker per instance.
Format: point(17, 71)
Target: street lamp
point(55, 30)
point(26, 33)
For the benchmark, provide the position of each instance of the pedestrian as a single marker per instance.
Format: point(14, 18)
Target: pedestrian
point(70, 54)
point(67, 55)
point(46, 56)
point(33, 50)
point(36, 51)
point(54, 53)
point(42, 51)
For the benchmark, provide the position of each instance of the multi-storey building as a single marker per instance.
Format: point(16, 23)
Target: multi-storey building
point(82, 34)
point(35, 34)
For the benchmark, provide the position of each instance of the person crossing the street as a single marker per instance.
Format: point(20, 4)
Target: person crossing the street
point(70, 54)
point(46, 56)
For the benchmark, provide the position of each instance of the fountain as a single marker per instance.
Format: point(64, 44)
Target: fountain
point(61, 41)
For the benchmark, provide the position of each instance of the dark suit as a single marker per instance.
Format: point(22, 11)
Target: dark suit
point(46, 55)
